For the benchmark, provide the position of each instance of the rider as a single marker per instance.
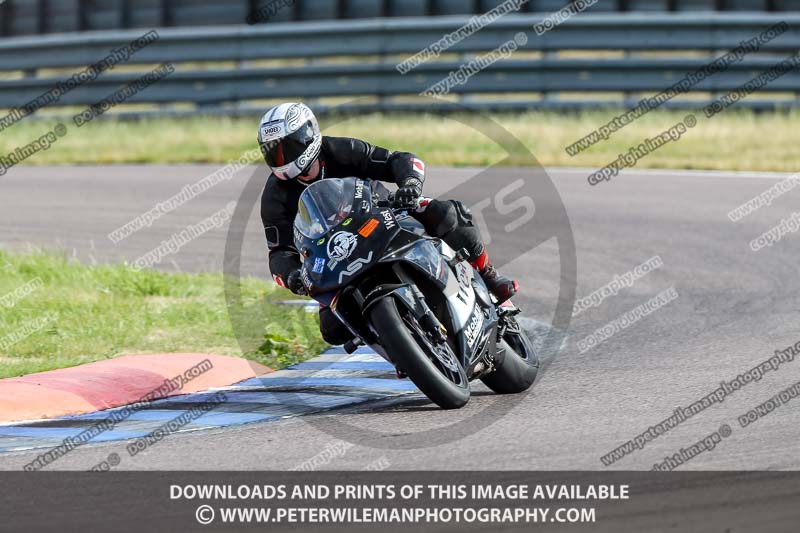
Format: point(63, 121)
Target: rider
point(298, 154)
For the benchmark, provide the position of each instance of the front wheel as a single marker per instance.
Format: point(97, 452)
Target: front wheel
point(519, 368)
point(432, 367)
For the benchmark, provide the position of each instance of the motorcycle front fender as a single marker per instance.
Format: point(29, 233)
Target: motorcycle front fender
point(403, 294)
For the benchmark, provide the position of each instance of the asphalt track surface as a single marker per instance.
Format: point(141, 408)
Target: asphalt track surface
point(735, 307)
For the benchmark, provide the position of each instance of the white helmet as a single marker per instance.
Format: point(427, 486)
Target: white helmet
point(290, 139)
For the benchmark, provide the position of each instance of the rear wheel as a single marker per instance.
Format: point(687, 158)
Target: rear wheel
point(520, 366)
point(433, 367)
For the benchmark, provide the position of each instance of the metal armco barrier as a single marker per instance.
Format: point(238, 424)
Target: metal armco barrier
point(27, 17)
point(361, 73)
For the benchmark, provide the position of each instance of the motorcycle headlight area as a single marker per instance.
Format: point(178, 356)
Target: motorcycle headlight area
point(425, 256)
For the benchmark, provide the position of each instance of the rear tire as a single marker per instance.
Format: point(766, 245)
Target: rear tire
point(406, 352)
point(519, 369)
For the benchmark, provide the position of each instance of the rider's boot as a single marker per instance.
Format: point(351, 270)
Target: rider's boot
point(502, 287)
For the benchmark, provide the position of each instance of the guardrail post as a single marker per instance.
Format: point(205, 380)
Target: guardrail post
point(626, 95)
point(83, 19)
point(463, 98)
point(297, 8)
point(125, 14)
point(41, 16)
point(6, 14)
point(166, 13)
point(548, 97)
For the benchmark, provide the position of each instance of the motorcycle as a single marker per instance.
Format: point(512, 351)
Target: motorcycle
point(413, 299)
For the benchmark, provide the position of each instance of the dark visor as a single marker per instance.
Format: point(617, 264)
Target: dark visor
point(280, 152)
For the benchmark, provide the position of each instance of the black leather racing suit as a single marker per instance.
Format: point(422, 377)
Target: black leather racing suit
point(342, 157)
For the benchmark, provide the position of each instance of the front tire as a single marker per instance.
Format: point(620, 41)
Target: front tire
point(519, 368)
point(445, 384)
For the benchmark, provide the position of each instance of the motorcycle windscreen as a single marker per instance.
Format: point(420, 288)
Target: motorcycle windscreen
point(323, 205)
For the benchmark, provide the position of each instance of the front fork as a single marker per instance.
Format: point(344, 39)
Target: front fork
point(407, 295)
point(412, 299)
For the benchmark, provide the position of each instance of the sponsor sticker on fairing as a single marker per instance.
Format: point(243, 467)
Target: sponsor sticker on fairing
point(388, 219)
point(474, 326)
point(305, 278)
point(355, 266)
point(368, 227)
point(319, 265)
point(340, 247)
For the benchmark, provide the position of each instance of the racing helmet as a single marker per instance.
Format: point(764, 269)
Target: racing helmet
point(290, 139)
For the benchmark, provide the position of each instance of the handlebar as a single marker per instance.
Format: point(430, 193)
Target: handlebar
point(391, 202)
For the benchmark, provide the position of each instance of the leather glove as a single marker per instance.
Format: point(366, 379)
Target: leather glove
point(408, 193)
point(294, 282)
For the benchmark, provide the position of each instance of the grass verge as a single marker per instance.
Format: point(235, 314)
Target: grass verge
point(732, 140)
point(57, 313)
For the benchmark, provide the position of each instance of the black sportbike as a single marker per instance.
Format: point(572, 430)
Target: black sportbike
point(409, 296)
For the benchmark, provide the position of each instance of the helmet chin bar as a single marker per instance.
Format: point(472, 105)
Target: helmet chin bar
point(320, 172)
point(287, 172)
point(292, 168)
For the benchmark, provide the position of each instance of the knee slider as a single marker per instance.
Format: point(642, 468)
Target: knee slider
point(443, 216)
point(463, 213)
point(464, 234)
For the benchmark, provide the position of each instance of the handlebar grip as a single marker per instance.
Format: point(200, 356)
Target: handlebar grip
point(389, 202)
point(394, 205)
